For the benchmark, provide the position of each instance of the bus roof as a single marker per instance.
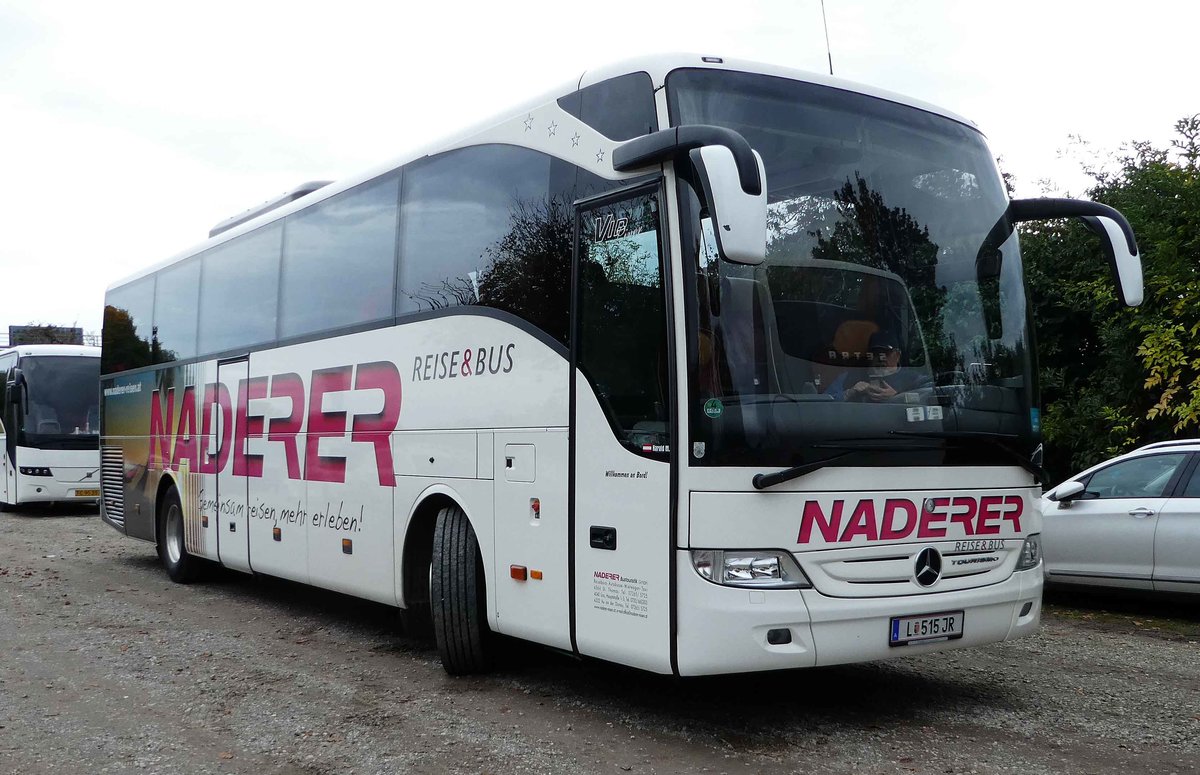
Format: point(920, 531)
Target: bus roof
point(658, 66)
point(23, 350)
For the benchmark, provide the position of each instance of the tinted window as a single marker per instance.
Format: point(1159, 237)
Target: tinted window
point(620, 108)
point(175, 311)
point(622, 319)
point(239, 291)
point(339, 259)
point(128, 336)
point(1142, 477)
point(465, 218)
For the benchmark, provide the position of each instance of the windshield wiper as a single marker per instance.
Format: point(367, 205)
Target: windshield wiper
point(996, 440)
point(763, 481)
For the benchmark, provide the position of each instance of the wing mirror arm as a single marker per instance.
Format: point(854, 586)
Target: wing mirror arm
point(1109, 224)
point(731, 176)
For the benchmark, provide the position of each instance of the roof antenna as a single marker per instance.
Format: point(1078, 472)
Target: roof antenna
point(825, 22)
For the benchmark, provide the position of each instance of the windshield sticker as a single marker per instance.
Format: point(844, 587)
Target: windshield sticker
point(713, 408)
point(698, 449)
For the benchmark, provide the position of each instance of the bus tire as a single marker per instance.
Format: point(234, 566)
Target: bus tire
point(182, 567)
point(458, 596)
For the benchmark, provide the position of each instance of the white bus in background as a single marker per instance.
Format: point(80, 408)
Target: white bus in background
point(693, 365)
point(49, 424)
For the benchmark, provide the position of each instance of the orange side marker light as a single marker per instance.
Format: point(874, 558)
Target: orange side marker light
point(518, 572)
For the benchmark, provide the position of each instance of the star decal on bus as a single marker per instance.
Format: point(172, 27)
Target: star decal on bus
point(529, 122)
point(575, 140)
point(599, 155)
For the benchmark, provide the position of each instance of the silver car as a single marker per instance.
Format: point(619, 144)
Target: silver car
point(1132, 521)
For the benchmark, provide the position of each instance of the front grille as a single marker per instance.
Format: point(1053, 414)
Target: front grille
point(889, 570)
point(112, 483)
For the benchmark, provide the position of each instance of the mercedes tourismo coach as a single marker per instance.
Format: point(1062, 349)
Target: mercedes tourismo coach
point(695, 365)
point(49, 424)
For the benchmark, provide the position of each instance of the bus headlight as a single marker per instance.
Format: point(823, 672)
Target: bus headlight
point(753, 568)
point(1031, 552)
point(35, 471)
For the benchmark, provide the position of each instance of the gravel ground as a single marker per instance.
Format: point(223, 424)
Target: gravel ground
point(106, 666)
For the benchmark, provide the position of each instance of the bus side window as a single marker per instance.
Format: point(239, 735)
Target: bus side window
point(485, 226)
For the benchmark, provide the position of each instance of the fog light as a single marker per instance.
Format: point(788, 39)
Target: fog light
point(761, 569)
point(1031, 552)
point(1025, 609)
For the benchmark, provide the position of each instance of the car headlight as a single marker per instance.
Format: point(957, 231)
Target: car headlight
point(1031, 552)
point(753, 568)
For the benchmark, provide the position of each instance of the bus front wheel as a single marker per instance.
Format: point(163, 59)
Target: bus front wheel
point(458, 597)
point(182, 567)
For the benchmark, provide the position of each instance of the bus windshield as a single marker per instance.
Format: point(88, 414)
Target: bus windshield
point(61, 407)
point(877, 323)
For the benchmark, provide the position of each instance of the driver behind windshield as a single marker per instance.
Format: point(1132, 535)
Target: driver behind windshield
point(885, 376)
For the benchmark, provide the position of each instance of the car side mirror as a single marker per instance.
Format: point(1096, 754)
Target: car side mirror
point(1067, 493)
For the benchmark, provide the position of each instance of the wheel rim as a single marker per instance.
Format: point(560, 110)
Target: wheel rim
point(174, 534)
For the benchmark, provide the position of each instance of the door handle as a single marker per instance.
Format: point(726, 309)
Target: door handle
point(603, 537)
point(1141, 512)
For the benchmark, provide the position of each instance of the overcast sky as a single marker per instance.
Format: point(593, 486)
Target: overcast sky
point(127, 129)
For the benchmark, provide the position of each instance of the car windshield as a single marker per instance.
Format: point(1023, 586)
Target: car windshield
point(880, 318)
point(61, 405)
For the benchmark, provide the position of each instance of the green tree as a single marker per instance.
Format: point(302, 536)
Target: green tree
point(1113, 377)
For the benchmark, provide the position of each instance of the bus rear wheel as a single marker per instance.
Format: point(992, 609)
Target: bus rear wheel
point(182, 567)
point(458, 596)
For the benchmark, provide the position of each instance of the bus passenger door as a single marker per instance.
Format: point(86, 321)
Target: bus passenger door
point(4, 466)
point(233, 545)
point(621, 432)
point(8, 471)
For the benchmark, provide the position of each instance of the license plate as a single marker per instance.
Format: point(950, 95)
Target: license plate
point(87, 493)
point(927, 627)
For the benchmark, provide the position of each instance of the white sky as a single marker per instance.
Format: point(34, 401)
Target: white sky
point(127, 129)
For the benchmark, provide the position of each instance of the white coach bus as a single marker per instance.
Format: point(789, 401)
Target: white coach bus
point(49, 424)
point(695, 365)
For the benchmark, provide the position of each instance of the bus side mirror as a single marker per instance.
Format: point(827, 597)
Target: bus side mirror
point(730, 173)
point(739, 218)
point(1123, 257)
point(16, 389)
point(1107, 223)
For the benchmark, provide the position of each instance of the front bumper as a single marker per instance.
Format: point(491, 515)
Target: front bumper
point(61, 487)
point(724, 629)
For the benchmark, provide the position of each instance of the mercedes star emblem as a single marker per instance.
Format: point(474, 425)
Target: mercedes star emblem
point(929, 566)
